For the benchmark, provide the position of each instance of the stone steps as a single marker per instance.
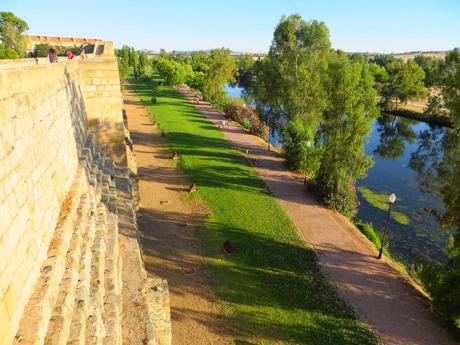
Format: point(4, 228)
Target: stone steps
point(59, 325)
point(113, 285)
point(83, 286)
point(34, 324)
point(95, 331)
point(81, 308)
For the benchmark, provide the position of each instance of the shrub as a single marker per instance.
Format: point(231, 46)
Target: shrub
point(246, 116)
point(154, 100)
point(234, 111)
point(246, 124)
point(442, 282)
point(8, 53)
point(41, 50)
point(295, 136)
point(337, 192)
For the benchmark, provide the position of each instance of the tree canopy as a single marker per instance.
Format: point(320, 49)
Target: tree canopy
point(12, 36)
point(405, 83)
point(174, 73)
point(220, 71)
point(315, 94)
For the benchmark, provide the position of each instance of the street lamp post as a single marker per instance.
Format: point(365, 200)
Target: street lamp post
point(308, 144)
point(391, 200)
point(268, 138)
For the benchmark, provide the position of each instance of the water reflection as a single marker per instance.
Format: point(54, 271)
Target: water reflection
point(408, 156)
point(396, 144)
point(394, 132)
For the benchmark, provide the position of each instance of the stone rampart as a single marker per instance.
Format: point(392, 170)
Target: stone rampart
point(48, 112)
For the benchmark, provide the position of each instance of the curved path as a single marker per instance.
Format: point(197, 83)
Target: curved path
point(393, 308)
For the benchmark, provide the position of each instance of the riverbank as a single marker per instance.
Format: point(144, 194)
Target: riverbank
point(392, 307)
point(437, 120)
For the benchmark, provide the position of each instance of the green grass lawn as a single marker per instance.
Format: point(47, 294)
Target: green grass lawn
point(270, 290)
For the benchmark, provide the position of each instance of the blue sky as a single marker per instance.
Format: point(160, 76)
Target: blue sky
point(246, 25)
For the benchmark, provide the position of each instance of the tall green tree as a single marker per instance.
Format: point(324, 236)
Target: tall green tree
point(431, 66)
point(245, 71)
point(134, 57)
point(450, 87)
point(350, 111)
point(220, 71)
point(142, 64)
point(199, 61)
point(12, 31)
point(437, 161)
point(173, 72)
point(290, 83)
point(405, 84)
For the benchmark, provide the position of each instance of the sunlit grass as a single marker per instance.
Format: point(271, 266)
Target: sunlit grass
point(380, 201)
point(270, 290)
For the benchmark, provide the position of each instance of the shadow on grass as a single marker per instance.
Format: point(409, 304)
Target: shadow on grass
point(281, 294)
point(270, 289)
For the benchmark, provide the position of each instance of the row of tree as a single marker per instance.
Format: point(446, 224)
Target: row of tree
point(323, 102)
point(207, 73)
point(128, 57)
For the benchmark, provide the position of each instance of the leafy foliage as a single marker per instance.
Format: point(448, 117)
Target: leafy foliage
point(219, 72)
point(317, 95)
point(245, 71)
point(134, 62)
point(432, 68)
point(199, 61)
point(7, 52)
point(295, 138)
point(12, 36)
point(247, 116)
point(441, 173)
point(41, 50)
point(290, 84)
point(405, 83)
point(174, 73)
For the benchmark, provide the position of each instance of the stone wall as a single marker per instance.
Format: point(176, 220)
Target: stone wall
point(46, 110)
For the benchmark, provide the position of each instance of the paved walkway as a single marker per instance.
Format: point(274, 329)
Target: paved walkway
point(395, 310)
point(168, 227)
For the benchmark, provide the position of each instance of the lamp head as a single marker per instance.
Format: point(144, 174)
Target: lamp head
point(392, 198)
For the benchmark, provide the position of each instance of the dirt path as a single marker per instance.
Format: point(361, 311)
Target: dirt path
point(395, 310)
point(169, 225)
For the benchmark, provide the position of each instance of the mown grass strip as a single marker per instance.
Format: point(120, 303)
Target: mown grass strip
point(270, 289)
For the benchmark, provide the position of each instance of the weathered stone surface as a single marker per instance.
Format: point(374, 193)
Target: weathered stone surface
point(64, 217)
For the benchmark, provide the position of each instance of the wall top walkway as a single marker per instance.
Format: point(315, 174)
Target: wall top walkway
point(106, 49)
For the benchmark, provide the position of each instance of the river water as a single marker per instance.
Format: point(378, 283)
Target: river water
point(413, 229)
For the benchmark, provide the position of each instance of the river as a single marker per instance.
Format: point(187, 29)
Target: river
point(413, 230)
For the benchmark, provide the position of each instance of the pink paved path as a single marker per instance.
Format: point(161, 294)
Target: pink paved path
point(395, 310)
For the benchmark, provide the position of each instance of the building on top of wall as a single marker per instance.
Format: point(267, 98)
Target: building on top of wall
point(57, 40)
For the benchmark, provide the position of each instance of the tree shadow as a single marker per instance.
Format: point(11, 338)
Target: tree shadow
point(263, 274)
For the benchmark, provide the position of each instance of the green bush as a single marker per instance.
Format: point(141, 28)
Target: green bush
point(41, 50)
point(246, 124)
point(295, 136)
point(442, 281)
point(337, 191)
point(8, 53)
point(246, 116)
